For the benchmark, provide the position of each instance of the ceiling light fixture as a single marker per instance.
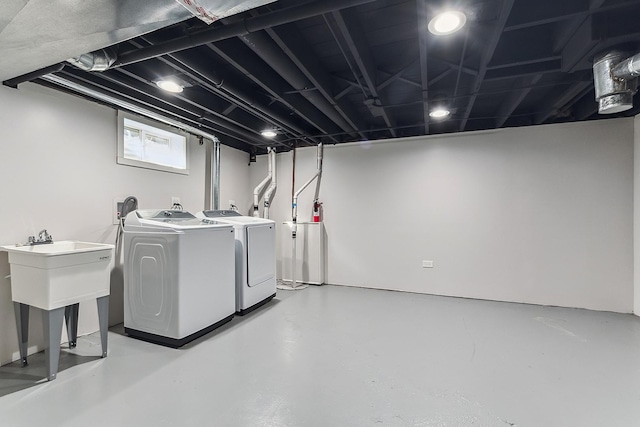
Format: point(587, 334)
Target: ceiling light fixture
point(269, 133)
point(170, 86)
point(447, 22)
point(439, 113)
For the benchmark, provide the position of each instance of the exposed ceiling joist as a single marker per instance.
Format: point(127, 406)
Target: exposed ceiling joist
point(487, 55)
point(352, 32)
point(515, 98)
point(421, 14)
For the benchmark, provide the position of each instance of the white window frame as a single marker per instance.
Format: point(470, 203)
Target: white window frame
point(122, 160)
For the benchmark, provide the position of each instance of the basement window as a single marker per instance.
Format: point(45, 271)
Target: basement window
point(149, 144)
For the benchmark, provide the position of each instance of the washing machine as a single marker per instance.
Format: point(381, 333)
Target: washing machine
point(255, 257)
point(179, 278)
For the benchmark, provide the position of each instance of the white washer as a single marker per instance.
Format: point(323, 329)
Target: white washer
point(179, 279)
point(255, 258)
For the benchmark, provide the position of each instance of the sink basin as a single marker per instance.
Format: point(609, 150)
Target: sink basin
point(59, 274)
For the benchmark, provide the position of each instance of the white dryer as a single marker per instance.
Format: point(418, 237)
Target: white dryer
point(255, 257)
point(179, 278)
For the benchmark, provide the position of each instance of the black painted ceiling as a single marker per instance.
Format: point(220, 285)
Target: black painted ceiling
point(373, 70)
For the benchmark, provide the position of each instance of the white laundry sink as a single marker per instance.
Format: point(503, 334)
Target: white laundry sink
point(58, 274)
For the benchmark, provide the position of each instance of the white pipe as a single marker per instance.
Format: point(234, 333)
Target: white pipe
point(319, 166)
point(274, 184)
point(260, 188)
point(294, 225)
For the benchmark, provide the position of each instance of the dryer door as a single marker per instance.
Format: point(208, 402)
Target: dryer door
point(261, 253)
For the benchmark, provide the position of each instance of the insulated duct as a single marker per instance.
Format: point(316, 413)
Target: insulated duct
point(99, 60)
point(615, 80)
point(246, 26)
point(210, 11)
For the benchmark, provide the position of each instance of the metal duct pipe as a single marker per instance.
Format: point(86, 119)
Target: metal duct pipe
point(294, 225)
point(268, 195)
point(216, 174)
point(260, 187)
point(628, 69)
point(99, 60)
point(14, 82)
point(213, 177)
point(614, 81)
point(266, 49)
point(249, 25)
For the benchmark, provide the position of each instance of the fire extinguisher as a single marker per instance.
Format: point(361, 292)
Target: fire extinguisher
point(317, 211)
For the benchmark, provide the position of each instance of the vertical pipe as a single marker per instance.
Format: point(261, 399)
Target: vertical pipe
point(216, 173)
point(294, 226)
point(208, 177)
point(260, 187)
point(274, 184)
point(295, 206)
point(320, 153)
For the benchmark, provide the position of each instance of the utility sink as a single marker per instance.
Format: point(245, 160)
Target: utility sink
point(58, 274)
point(55, 277)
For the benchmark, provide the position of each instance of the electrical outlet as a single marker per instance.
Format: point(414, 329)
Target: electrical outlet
point(427, 264)
point(117, 207)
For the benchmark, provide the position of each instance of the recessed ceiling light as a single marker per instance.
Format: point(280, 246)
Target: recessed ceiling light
point(447, 22)
point(269, 133)
point(169, 86)
point(439, 113)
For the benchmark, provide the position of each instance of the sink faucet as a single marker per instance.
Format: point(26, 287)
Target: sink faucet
point(43, 237)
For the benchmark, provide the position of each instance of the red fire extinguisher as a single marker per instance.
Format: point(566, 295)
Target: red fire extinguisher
point(317, 211)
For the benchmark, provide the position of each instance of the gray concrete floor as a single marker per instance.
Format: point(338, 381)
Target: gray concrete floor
point(339, 356)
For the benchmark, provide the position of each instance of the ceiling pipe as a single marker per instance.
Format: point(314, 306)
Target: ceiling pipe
point(14, 82)
point(249, 25)
point(266, 49)
point(628, 69)
point(60, 81)
point(99, 60)
point(229, 91)
point(615, 80)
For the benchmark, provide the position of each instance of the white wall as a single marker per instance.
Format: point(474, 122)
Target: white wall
point(539, 215)
point(58, 171)
point(636, 216)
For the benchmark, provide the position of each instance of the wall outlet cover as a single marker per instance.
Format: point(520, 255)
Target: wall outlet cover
point(427, 264)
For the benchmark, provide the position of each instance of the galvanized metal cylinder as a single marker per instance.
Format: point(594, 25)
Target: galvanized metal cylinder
point(613, 94)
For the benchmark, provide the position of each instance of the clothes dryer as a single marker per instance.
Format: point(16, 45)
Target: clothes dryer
point(179, 273)
point(255, 257)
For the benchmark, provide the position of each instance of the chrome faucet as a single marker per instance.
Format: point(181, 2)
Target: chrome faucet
point(43, 238)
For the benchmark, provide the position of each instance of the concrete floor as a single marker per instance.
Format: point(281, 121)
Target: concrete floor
point(338, 356)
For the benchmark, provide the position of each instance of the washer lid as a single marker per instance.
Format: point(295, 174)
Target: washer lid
point(220, 213)
point(169, 218)
point(234, 218)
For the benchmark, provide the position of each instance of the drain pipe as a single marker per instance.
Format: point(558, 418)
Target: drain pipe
point(294, 225)
point(268, 195)
point(260, 188)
